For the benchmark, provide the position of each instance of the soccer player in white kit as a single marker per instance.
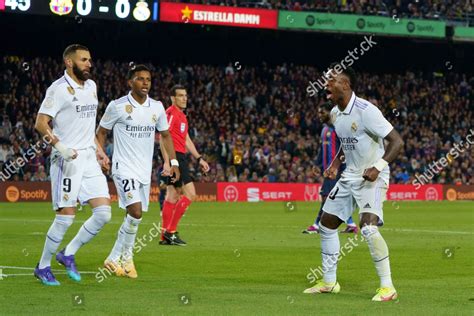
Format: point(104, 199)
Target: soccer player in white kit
point(71, 103)
point(362, 129)
point(133, 119)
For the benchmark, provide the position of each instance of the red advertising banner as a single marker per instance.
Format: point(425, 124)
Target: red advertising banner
point(256, 192)
point(41, 192)
point(408, 192)
point(250, 192)
point(218, 15)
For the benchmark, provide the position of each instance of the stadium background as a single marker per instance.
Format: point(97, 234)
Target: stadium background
point(248, 85)
point(251, 84)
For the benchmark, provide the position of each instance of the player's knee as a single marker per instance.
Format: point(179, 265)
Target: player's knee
point(368, 219)
point(103, 214)
point(191, 196)
point(172, 197)
point(330, 221)
point(135, 212)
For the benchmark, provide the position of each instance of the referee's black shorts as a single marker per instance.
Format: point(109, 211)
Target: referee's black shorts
point(183, 169)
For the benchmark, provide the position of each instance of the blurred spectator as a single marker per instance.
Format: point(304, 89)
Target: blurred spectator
point(259, 123)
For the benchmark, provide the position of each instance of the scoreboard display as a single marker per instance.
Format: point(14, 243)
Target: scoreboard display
point(123, 10)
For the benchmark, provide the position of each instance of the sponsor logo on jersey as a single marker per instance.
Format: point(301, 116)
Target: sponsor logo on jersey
point(71, 90)
point(74, 99)
point(140, 128)
point(154, 118)
point(348, 140)
point(129, 108)
point(95, 95)
point(129, 118)
point(86, 108)
point(183, 127)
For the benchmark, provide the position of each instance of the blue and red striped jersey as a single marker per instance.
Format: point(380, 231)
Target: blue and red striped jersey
point(329, 146)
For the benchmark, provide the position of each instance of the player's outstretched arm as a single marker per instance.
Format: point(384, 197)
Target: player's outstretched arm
point(192, 149)
point(393, 148)
point(42, 126)
point(169, 154)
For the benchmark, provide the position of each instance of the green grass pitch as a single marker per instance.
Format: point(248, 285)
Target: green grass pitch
point(245, 259)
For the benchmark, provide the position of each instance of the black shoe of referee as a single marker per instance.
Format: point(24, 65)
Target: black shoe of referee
point(173, 239)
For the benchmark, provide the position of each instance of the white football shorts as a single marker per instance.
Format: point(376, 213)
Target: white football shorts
point(80, 179)
point(349, 194)
point(131, 191)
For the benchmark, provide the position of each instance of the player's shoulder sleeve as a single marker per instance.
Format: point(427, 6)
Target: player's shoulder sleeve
point(92, 82)
point(54, 99)
point(373, 120)
point(162, 121)
point(111, 116)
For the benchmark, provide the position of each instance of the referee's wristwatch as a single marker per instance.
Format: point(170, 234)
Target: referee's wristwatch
point(174, 162)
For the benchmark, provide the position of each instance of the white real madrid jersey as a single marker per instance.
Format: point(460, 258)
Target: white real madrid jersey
point(134, 127)
point(73, 109)
point(361, 128)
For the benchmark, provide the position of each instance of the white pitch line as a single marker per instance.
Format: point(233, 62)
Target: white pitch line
point(30, 268)
point(401, 230)
point(428, 231)
point(16, 268)
point(31, 274)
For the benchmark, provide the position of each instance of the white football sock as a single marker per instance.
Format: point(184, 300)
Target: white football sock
point(329, 252)
point(54, 236)
point(117, 250)
point(379, 252)
point(130, 229)
point(100, 216)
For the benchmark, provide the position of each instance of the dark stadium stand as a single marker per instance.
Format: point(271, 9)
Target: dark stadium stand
point(257, 123)
point(457, 11)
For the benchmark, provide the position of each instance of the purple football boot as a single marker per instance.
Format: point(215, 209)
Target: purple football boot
point(70, 264)
point(45, 276)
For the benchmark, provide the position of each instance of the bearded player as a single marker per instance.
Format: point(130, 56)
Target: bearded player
point(180, 194)
point(71, 104)
point(133, 119)
point(362, 130)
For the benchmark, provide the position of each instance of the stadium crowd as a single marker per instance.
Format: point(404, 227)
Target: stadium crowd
point(425, 9)
point(256, 123)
